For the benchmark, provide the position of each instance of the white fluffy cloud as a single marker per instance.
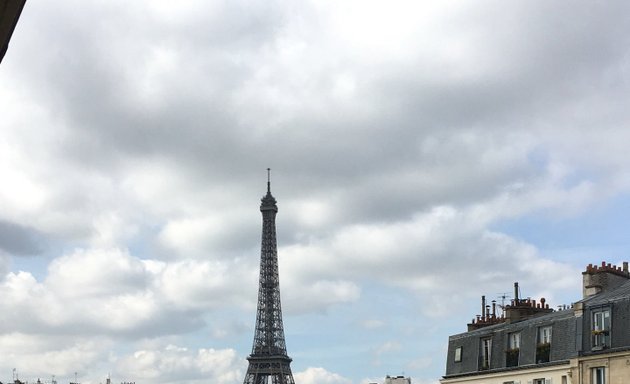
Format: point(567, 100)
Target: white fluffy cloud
point(319, 375)
point(110, 291)
point(181, 365)
point(418, 254)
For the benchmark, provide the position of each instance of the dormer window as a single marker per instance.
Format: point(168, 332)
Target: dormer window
point(458, 355)
point(543, 345)
point(512, 353)
point(601, 329)
point(486, 349)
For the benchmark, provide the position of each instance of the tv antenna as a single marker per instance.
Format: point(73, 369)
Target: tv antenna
point(503, 296)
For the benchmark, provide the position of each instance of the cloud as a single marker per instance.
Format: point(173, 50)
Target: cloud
point(389, 346)
point(113, 293)
point(319, 375)
point(444, 244)
point(19, 240)
point(401, 137)
point(319, 295)
point(173, 364)
point(5, 262)
point(36, 356)
point(204, 285)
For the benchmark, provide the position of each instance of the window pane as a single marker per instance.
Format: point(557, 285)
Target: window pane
point(486, 348)
point(599, 375)
point(600, 329)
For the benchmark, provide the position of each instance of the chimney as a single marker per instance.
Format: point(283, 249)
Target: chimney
point(483, 307)
point(606, 277)
point(516, 293)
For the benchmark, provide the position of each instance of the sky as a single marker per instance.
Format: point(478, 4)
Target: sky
point(423, 154)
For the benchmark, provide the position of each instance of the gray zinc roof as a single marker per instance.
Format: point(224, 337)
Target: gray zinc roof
point(618, 294)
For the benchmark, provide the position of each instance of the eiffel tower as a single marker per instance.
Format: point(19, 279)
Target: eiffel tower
point(269, 362)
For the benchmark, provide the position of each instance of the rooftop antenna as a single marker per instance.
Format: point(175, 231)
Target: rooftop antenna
point(503, 296)
point(268, 180)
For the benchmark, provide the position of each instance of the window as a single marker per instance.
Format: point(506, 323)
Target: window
point(486, 349)
point(601, 329)
point(514, 340)
point(544, 335)
point(538, 381)
point(512, 352)
point(599, 375)
point(543, 346)
point(458, 354)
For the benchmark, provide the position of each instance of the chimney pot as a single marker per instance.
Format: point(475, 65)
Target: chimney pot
point(625, 266)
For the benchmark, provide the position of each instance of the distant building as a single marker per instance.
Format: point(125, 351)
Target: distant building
point(588, 343)
point(397, 380)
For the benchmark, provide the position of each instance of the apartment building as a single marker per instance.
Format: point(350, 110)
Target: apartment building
point(530, 343)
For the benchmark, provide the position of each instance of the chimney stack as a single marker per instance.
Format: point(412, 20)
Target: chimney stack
point(604, 277)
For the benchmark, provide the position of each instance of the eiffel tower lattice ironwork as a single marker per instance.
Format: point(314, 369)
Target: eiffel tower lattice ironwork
point(269, 362)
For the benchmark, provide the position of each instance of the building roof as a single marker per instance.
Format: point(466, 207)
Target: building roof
point(616, 294)
point(541, 319)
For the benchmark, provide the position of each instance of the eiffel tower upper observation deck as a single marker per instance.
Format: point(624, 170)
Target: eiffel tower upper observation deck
point(269, 362)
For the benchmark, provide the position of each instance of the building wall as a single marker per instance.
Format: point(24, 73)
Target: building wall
point(470, 352)
point(617, 368)
point(554, 374)
point(563, 339)
point(620, 323)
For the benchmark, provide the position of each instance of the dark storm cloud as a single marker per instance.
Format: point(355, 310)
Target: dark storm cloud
point(20, 240)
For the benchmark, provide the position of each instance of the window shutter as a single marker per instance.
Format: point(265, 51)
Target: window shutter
point(547, 381)
point(529, 382)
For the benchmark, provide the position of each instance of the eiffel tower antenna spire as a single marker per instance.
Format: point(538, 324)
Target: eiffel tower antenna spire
point(269, 362)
